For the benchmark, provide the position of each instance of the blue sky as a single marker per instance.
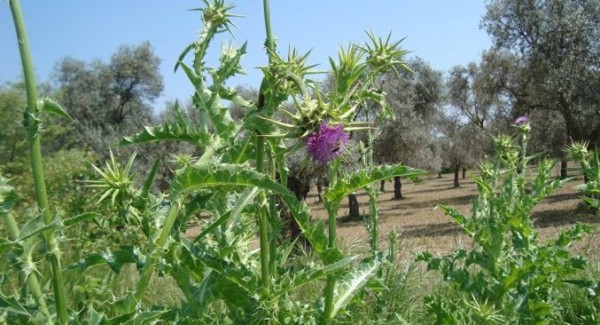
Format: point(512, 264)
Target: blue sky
point(444, 33)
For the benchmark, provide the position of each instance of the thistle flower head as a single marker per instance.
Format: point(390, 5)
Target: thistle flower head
point(522, 120)
point(327, 142)
point(523, 126)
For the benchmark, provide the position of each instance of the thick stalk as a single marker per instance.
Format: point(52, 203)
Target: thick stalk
point(332, 208)
point(520, 176)
point(155, 251)
point(372, 192)
point(269, 42)
point(263, 222)
point(374, 218)
point(522, 167)
point(272, 222)
point(34, 139)
point(330, 287)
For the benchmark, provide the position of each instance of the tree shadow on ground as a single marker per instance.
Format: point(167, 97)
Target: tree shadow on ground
point(431, 190)
point(348, 221)
point(407, 204)
point(431, 230)
point(553, 218)
point(561, 197)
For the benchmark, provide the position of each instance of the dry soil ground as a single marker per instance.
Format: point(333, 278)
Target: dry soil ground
point(421, 226)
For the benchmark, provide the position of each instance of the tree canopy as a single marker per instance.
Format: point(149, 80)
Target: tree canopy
point(109, 100)
point(557, 45)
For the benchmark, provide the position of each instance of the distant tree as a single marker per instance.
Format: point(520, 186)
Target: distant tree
point(108, 100)
point(135, 81)
point(13, 141)
point(415, 99)
point(469, 90)
point(557, 45)
point(514, 94)
point(458, 143)
point(13, 135)
point(479, 106)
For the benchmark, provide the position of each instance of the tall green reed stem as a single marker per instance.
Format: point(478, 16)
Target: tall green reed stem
point(34, 139)
point(263, 221)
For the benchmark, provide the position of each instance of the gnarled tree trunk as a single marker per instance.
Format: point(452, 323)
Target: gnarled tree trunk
point(319, 191)
point(563, 169)
point(300, 188)
point(456, 174)
point(353, 212)
point(398, 188)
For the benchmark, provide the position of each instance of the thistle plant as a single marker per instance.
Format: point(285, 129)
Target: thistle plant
point(511, 275)
point(590, 166)
point(239, 180)
point(33, 116)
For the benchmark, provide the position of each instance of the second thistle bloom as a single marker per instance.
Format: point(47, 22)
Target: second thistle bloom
point(327, 142)
point(523, 125)
point(522, 120)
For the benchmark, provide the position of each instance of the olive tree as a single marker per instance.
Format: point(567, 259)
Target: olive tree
point(415, 98)
point(108, 100)
point(557, 43)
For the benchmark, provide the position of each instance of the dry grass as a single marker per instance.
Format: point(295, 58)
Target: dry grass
point(421, 226)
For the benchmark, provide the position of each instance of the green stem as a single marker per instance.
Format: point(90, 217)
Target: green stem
point(272, 221)
point(374, 218)
point(301, 85)
point(269, 42)
point(523, 158)
point(332, 208)
point(331, 223)
point(263, 222)
point(155, 251)
point(330, 287)
point(34, 139)
point(372, 191)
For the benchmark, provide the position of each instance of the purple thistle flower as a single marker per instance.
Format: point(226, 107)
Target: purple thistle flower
point(327, 143)
point(521, 120)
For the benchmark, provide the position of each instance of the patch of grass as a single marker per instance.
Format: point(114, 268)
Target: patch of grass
point(582, 306)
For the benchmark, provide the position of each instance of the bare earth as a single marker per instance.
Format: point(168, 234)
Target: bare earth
point(421, 226)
